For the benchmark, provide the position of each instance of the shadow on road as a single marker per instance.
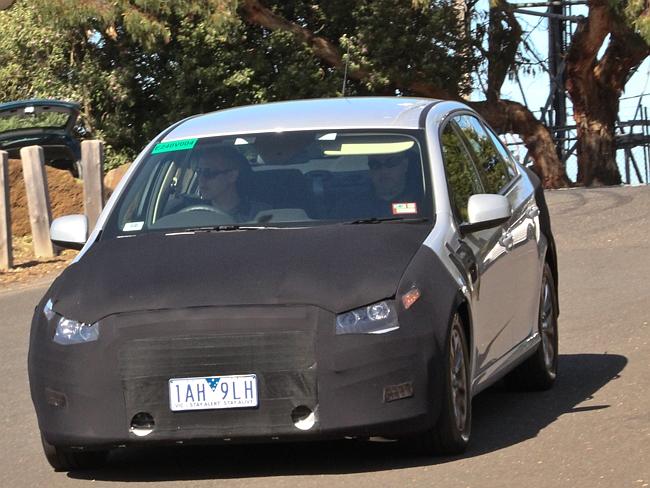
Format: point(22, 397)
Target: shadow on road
point(501, 419)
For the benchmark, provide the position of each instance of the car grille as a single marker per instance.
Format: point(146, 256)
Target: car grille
point(283, 360)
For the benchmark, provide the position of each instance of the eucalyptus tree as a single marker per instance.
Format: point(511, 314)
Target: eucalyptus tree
point(166, 59)
point(620, 30)
point(416, 47)
point(136, 70)
point(41, 59)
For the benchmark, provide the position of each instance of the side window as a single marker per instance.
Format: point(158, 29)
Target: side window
point(505, 154)
point(492, 168)
point(461, 174)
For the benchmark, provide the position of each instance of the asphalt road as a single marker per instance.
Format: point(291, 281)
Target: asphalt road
point(591, 430)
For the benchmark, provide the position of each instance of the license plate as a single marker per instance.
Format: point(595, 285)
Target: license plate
point(213, 392)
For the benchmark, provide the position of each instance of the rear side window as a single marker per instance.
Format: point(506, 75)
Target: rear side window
point(491, 166)
point(462, 178)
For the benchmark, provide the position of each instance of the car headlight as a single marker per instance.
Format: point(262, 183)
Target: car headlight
point(70, 331)
point(378, 318)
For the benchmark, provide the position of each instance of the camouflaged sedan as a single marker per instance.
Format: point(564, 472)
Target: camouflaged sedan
point(343, 268)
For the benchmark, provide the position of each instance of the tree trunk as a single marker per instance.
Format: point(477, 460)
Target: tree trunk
point(596, 142)
point(595, 85)
point(464, 26)
point(508, 116)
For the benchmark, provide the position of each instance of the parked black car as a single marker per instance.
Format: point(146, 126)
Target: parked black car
point(51, 124)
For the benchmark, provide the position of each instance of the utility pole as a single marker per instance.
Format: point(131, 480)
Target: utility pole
point(557, 44)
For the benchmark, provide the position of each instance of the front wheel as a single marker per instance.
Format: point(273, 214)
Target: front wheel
point(451, 433)
point(62, 460)
point(539, 371)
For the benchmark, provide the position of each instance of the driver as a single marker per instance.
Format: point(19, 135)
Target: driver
point(219, 174)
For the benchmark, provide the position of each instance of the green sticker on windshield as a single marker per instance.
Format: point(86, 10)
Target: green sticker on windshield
point(182, 145)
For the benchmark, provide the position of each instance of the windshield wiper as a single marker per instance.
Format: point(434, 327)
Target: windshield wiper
point(220, 228)
point(379, 220)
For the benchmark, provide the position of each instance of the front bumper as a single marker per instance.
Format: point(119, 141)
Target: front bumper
point(86, 395)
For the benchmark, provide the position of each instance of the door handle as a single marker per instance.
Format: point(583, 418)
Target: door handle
point(506, 240)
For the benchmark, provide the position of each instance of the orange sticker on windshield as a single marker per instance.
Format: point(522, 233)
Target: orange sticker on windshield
point(405, 208)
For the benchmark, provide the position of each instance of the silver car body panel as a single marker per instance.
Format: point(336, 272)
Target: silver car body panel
point(400, 113)
point(491, 334)
point(325, 114)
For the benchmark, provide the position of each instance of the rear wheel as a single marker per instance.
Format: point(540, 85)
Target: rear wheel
point(451, 433)
point(540, 370)
point(62, 460)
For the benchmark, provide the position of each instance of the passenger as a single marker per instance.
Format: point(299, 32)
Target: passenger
point(219, 171)
point(389, 177)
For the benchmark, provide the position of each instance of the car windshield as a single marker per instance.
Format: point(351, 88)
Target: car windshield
point(33, 117)
point(275, 179)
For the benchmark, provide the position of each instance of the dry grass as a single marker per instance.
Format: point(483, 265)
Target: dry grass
point(28, 268)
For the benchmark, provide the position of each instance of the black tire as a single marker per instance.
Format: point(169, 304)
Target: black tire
point(539, 371)
point(451, 433)
point(63, 460)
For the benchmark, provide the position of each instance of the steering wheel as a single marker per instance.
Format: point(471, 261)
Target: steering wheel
point(203, 207)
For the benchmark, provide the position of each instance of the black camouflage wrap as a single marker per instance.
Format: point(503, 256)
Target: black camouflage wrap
point(262, 302)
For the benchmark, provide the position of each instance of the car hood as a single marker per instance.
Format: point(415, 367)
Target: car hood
point(336, 267)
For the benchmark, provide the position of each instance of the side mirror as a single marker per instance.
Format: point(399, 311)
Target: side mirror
point(486, 211)
point(70, 232)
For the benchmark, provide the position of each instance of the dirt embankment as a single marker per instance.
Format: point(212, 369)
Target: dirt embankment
point(66, 196)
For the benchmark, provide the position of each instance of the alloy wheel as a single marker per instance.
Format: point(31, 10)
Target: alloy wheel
point(547, 326)
point(458, 372)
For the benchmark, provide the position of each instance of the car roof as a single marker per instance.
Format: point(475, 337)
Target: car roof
point(317, 114)
point(40, 102)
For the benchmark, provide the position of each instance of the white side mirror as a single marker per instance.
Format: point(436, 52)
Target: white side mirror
point(485, 211)
point(70, 232)
point(485, 207)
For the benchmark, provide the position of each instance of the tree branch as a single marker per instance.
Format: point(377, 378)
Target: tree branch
point(503, 115)
point(508, 116)
point(585, 45)
point(625, 52)
point(591, 33)
point(256, 13)
point(502, 45)
point(588, 77)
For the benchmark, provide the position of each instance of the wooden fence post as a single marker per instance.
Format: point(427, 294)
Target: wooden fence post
point(6, 252)
point(92, 170)
point(38, 199)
